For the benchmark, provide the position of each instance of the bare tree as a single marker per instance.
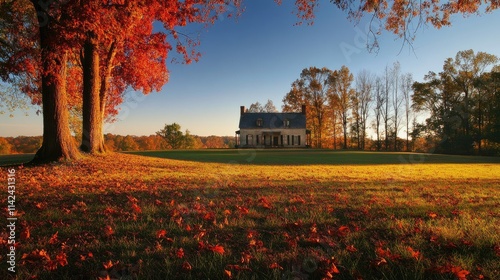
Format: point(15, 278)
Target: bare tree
point(407, 81)
point(385, 111)
point(269, 107)
point(397, 100)
point(380, 101)
point(364, 86)
point(255, 108)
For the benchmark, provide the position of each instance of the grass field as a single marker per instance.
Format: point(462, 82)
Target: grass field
point(301, 156)
point(269, 214)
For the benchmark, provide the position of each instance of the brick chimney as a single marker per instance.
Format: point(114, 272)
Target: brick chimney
point(303, 109)
point(242, 110)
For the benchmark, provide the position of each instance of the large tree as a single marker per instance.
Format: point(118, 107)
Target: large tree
point(456, 100)
point(361, 104)
point(342, 87)
point(312, 89)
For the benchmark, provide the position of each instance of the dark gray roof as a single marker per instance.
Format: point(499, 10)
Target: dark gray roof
point(272, 120)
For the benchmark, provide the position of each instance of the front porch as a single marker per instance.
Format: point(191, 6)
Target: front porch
point(271, 139)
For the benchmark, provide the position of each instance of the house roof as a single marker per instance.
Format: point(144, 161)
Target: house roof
point(272, 120)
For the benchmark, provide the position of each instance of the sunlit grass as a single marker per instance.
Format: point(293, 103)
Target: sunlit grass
point(129, 216)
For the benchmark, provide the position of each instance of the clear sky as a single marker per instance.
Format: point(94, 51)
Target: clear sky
point(257, 56)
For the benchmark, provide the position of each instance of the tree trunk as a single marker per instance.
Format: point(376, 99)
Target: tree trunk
point(92, 135)
point(58, 144)
point(345, 132)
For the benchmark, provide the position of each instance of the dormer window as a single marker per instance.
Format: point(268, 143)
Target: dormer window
point(259, 122)
point(286, 123)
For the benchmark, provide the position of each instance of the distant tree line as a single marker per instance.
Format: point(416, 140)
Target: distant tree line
point(455, 111)
point(30, 144)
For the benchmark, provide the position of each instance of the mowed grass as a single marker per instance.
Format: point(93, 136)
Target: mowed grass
point(126, 216)
point(311, 156)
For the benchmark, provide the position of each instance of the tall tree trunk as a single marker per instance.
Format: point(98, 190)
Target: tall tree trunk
point(92, 136)
point(106, 78)
point(58, 144)
point(344, 123)
point(334, 130)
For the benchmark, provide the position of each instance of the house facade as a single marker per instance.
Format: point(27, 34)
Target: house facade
point(272, 130)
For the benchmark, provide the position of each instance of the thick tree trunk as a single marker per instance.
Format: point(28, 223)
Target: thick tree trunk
point(92, 135)
point(58, 144)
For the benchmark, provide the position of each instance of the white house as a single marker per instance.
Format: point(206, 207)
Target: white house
point(267, 130)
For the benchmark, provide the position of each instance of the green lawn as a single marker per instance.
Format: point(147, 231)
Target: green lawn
point(310, 156)
point(15, 159)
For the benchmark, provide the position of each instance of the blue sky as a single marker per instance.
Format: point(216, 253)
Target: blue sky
point(257, 56)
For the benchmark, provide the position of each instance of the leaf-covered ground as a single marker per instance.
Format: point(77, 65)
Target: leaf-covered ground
point(130, 217)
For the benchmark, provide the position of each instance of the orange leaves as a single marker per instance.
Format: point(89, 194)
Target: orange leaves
point(161, 233)
point(351, 248)
point(179, 253)
point(54, 239)
point(136, 208)
point(41, 258)
point(218, 249)
point(186, 266)
point(275, 265)
point(265, 203)
point(457, 271)
point(133, 204)
point(108, 230)
point(414, 254)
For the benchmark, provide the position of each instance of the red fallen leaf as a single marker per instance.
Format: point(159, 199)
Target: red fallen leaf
point(25, 234)
point(378, 262)
point(297, 199)
point(132, 199)
point(264, 203)
point(61, 259)
point(227, 273)
point(87, 256)
point(351, 248)
point(136, 208)
point(217, 249)
point(413, 253)
point(158, 202)
point(243, 210)
point(459, 272)
point(343, 230)
point(275, 266)
point(201, 245)
point(161, 233)
point(108, 230)
point(227, 212)
point(107, 265)
point(383, 253)
point(245, 257)
point(37, 255)
point(53, 239)
point(186, 266)
point(180, 253)
point(432, 215)
point(209, 216)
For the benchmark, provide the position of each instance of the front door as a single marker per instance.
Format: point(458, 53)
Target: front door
point(275, 141)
